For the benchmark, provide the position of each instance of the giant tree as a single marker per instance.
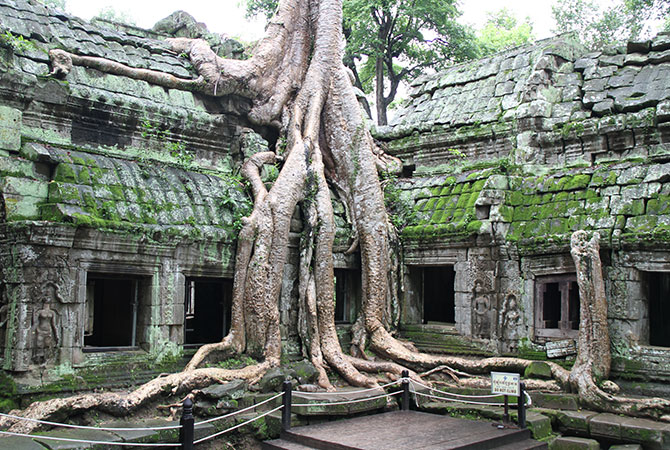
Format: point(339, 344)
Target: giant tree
point(298, 85)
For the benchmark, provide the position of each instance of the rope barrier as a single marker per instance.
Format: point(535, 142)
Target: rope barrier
point(350, 392)
point(456, 400)
point(454, 394)
point(225, 416)
point(81, 441)
point(85, 427)
point(348, 401)
point(212, 436)
point(529, 398)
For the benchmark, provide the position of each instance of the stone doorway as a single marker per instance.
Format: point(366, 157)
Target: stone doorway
point(659, 309)
point(207, 310)
point(438, 294)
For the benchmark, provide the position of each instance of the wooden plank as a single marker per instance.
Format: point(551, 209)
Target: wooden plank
point(401, 430)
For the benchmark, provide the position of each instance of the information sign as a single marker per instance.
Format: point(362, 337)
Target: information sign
point(505, 383)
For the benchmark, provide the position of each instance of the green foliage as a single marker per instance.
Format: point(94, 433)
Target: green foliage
point(502, 31)
point(599, 27)
point(111, 14)
point(234, 201)
point(237, 362)
point(176, 149)
point(264, 7)
point(402, 39)
point(399, 207)
point(16, 43)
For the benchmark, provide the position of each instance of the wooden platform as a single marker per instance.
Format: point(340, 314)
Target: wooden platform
point(404, 430)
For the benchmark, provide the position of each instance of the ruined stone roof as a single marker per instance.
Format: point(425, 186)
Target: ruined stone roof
point(551, 79)
point(106, 151)
point(40, 24)
point(114, 193)
point(627, 203)
point(547, 103)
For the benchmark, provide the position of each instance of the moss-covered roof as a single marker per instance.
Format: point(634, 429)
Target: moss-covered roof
point(627, 203)
point(68, 186)
point(444, 206)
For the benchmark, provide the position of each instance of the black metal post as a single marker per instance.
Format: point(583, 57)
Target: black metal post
point(286, 411)
point(505, 418)
point(186, 432)
point(404, 405)
point(521, 409)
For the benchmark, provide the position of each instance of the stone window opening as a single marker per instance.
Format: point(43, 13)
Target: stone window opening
point(113, 304)
point(438, 294)
point(207, 310)
point(658, 295)
point(557, 306)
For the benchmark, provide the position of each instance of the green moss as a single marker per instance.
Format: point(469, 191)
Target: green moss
point(65, 173)
point(579, 181)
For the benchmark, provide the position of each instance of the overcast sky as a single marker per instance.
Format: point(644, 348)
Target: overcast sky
point(226, 16)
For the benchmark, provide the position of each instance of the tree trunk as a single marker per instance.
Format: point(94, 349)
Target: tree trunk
point(379, 91)
point(593, 357)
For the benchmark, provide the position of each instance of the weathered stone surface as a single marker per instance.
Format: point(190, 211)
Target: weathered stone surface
point(10, 128)
point(538, 369)
point(233, 389)
point(576, 421)
point(574, 443)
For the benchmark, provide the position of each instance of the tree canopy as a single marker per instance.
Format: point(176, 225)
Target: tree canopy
point(502, 31)
point(623, 20)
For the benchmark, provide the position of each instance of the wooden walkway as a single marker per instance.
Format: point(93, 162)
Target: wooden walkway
point(404, 430)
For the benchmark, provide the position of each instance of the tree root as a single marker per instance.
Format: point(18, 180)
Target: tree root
point(115, 404)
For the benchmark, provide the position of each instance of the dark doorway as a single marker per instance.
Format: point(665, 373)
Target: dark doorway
point(438, 294)
point(207, 310)
point(111, 310)
point(659, 309)
point(347, 292)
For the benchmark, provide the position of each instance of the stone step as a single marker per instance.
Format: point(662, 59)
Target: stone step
point(283, 444)
point(440, 339)
point(524, 445)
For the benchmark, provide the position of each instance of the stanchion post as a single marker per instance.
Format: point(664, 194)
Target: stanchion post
point(186, 432)
point(505, 418)
point(521, 409)
point(286, 410)
point(405, 391)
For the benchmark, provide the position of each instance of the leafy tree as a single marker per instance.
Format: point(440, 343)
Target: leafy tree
point(264, 7)
point(113, 15)
point(599, 27)
point(503, 31)
point(402, 39)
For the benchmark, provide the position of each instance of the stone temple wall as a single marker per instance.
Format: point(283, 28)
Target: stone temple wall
point(505, 157)
point(105, 176)
point(108, 178)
